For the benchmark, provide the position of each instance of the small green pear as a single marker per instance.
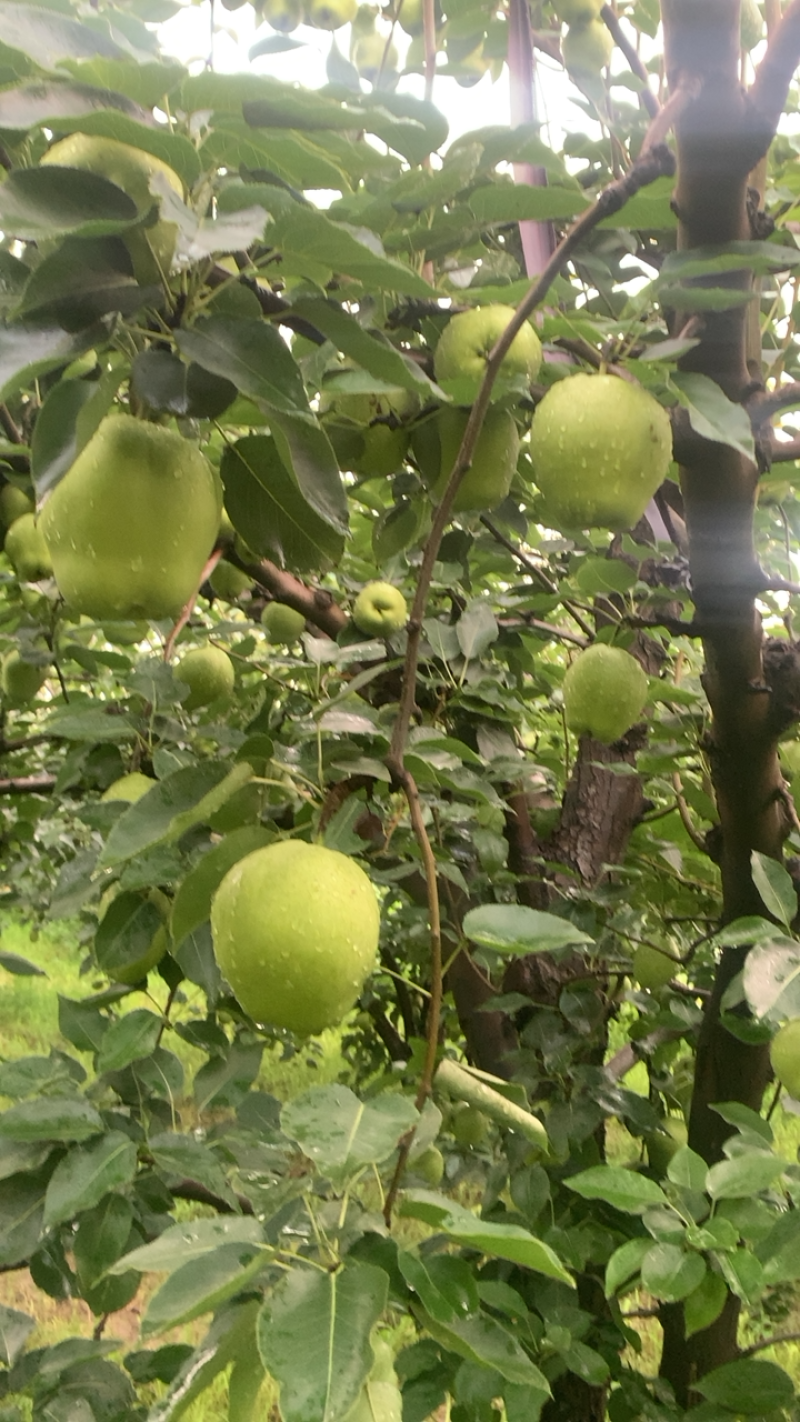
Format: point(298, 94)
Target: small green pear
point(282, 624)
point(784, 1054)
point(14, 502)
point(209, 673)
point(587, 49)
point(330, 14)
point(380, 609)
point(27, 551)
point(20, 681)
point(604, 692)
point(494, 460)
point(229, 582)
point(469, 337)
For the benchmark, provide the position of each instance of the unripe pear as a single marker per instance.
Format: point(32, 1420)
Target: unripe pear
point(27, 551)
point(578, 12)
point(14, 502)
point(20, 680)
point(372, 57)
point(600, 448)
point(130, 787)
point(380, 610)
point(494, 460)
point(125, 634)
point(469, 337)
point(295, 929)
point(429, 1166)
point(331, 14)
point(282, 624)
point(209, 673)
point(283, 15)
point(151, 248)
point(131, 524)
point(229, 582)
point(587, 49)
point(784, 1055)
point(366, 430)
point(469, 1125)
point(604, 691)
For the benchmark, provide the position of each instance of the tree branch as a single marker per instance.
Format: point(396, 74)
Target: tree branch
point(769, 1343)
point(769, 91)
point(26, 784)
point(316, 605)
point(635, 64)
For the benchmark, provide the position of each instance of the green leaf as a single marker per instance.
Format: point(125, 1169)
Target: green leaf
point(774, 884)
point(55, 442)
point(21, 1216)
point(342, 1134)
point(267, 507)
point(702, 1307)
point(20, 967)
point(129, 1039)
point(779, 1250)
point(624, 1265)
point(484, 1341)
point(28, 350)
point(743, 1274)
point(624, 1189)
point(181, 1243)
point(711, 414)
point(371, 350)
point(174, 805)
point(192, 903)
point(747, 1386)
point(48, 202)
point(48, 38)
point(51, 1118)
point(229, 1335)
point(508, 202)
point(86, 1174)
point(314, 247)
point(503, 1241)
point(201, 1285)
point(101, 1237)
point(772, 979)
point(688, 1170)
point(55, 104)
point(313, 1337)
point(252, 354)
point(82, 281)
point(511, 928)
point(15, 1328)
point(670, 1274)
point(744, 1175)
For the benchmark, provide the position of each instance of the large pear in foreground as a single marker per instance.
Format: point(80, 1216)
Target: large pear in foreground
point(600, 449)
point(295, 929)
point(131, 524)
point(604, 691)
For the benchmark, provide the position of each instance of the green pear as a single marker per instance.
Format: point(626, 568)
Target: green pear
point(209, 674)
point(283, 15)
point(282, 624)
point(751, 24)
point(27, 550)
point(229, 582)
point(372, 57)
point(14, 502)
point(600, 448)
point(653, 969)
point(380, 609)
point(494, 461)
point(131, 524)
point(784, 1054)
point(20, 681)
point(331, 14)
point(578, 12)
point(295, 929)
point(587, 49)
point(469, 337)
point(604, 691)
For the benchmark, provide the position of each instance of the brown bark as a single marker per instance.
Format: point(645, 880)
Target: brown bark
point(721, 135)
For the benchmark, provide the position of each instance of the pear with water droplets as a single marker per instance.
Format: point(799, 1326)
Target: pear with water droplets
point(295, 929)
point(131, 524)
point(600, 448)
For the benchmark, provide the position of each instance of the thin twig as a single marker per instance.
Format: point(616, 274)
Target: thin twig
point(683, 811)
point(169, 645)
point(10, 426)
point(622, 42)
point(429, 34)
point(26, 784)
point(409, 786)
point(773, 1342)
point(535, 572)
point(769, 90)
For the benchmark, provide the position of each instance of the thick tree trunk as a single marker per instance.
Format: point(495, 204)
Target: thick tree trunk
point(717, 147)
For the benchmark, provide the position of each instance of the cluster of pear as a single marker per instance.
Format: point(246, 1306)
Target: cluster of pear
point(587, 46)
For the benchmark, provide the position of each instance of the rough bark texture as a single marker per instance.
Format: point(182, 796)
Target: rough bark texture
point(719, 141)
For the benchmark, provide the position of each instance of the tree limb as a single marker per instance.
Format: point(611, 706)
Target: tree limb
point(635, 64)
point(768, 94)
point(26, 784)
